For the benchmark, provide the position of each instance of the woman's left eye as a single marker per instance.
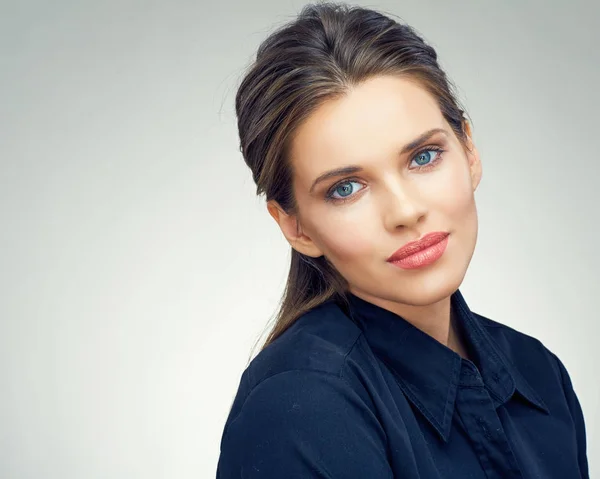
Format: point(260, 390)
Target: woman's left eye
point(428, 157)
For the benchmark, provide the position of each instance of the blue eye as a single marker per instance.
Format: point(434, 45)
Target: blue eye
point(424, 157)
point(343, 189)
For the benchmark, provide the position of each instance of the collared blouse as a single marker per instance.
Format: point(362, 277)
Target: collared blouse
point(360, 392)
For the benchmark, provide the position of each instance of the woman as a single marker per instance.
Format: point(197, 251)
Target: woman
point(376, 367)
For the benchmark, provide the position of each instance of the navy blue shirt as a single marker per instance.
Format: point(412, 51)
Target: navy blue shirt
point(362, 393)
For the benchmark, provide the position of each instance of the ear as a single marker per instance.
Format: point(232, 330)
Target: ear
point(473, 158)
point(291, 229)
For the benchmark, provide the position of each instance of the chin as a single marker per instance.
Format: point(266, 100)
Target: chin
point(429, 286)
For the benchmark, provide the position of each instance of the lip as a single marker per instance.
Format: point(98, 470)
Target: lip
point(421, 244)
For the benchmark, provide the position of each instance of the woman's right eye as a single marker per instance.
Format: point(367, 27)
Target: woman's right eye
point(343, 189)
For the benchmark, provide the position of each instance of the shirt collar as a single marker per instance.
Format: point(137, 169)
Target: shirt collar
point(428, 371)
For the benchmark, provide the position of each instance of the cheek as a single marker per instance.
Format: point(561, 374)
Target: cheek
point(460, 211)
point(350, 248)
point(345, 240)
point(455, 194)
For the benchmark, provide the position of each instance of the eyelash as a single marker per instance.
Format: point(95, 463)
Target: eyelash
point(432, 164)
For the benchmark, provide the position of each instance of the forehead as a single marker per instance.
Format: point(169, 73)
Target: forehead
point(373, 120)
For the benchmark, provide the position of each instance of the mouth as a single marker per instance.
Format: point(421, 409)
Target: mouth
point(421, 252)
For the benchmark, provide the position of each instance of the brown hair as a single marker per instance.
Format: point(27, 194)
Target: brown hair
point(319, 56)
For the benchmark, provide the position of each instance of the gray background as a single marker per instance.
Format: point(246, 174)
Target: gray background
point(137, 267)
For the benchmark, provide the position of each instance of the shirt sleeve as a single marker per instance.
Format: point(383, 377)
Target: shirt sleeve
point(299, 424)
point(577, 415)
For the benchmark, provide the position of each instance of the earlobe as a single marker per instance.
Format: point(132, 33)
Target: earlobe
point(292, 231)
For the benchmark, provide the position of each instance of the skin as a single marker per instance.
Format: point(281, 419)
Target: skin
point(389, 203)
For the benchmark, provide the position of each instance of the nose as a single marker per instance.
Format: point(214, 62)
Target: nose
point(402, 205)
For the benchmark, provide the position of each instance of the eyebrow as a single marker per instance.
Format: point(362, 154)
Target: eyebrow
point(346, 170)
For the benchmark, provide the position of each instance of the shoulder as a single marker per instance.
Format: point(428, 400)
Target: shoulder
point(318, 341)
point(310, 353)
point(295, 413)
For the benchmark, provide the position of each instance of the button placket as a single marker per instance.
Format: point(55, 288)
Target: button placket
point(479, 416)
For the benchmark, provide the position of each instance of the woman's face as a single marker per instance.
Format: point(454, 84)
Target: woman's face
point(357, 220)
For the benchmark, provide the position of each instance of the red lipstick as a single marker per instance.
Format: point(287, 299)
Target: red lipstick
point(421, 252)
